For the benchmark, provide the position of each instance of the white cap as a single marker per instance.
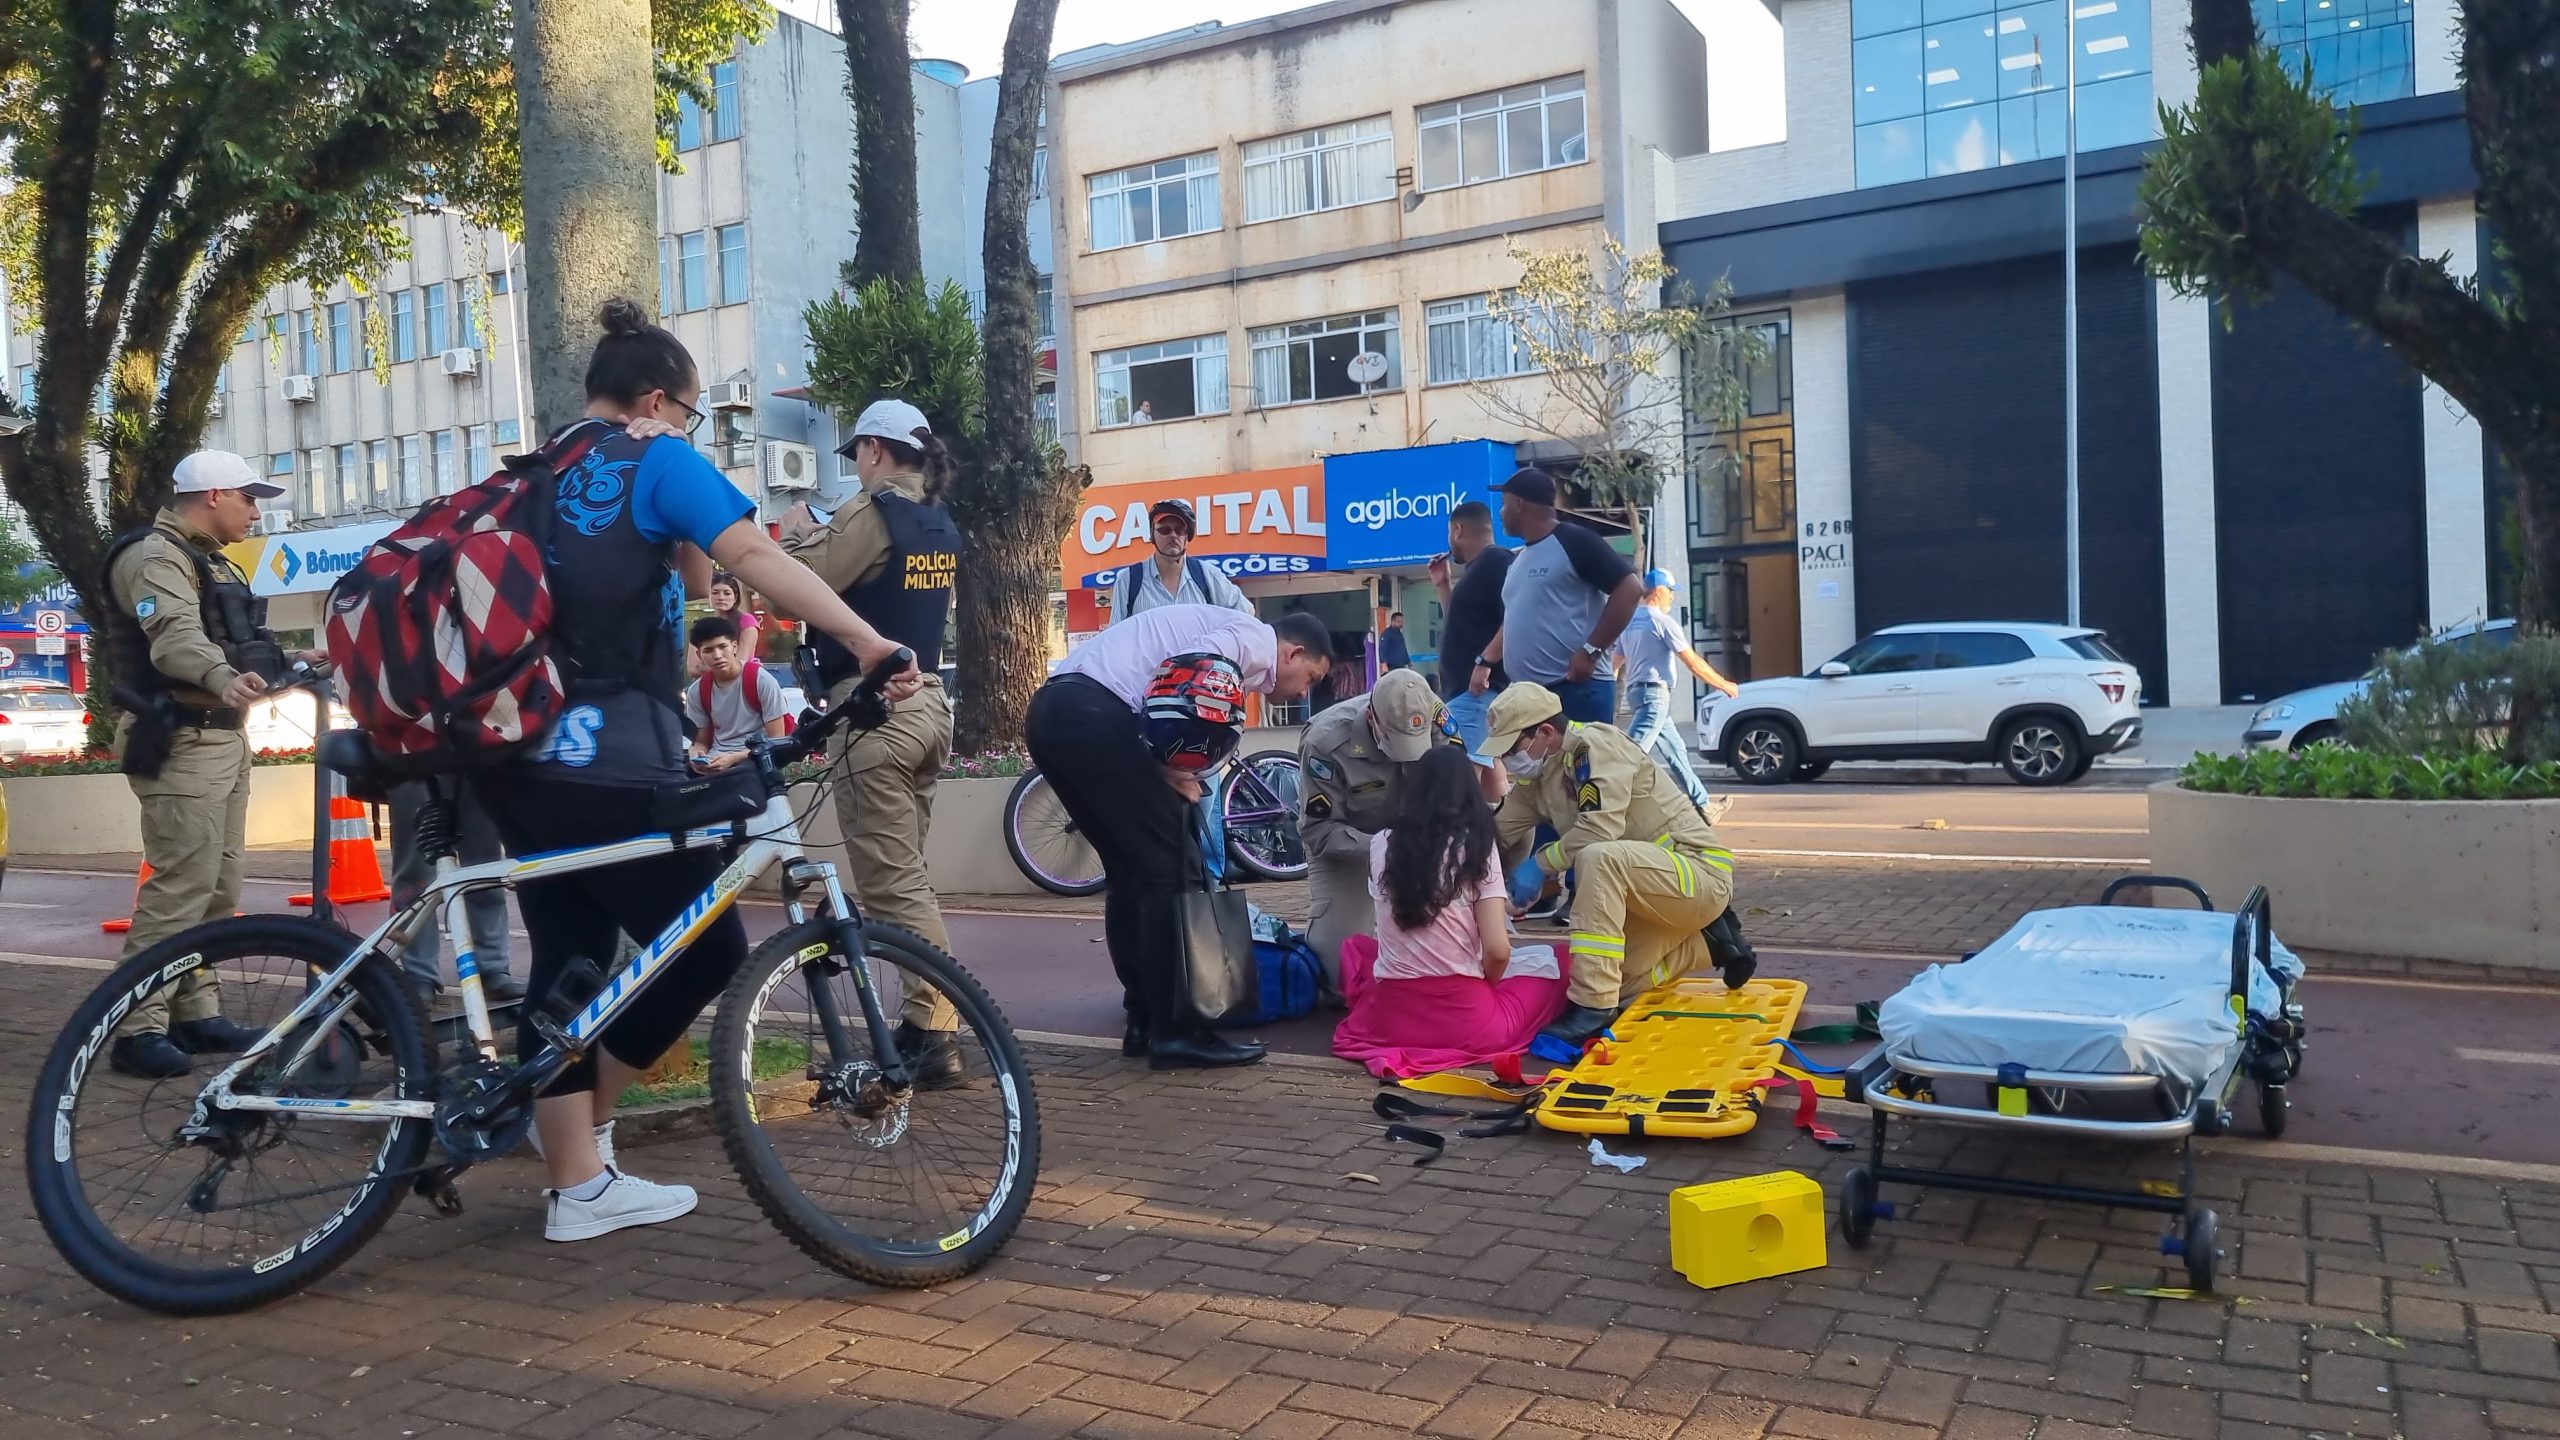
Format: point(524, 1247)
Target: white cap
point(210, 470)
point(887, 420)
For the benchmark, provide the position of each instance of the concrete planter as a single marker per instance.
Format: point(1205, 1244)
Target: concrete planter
point(2470, 881)
point(97, 814)
point(964, 854)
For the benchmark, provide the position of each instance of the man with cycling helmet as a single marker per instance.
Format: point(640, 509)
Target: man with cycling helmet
point(1128, 765)
point(1171, 576)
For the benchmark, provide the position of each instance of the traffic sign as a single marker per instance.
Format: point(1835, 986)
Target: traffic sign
point(51, 644)
point(50, 622)
point(8, 657)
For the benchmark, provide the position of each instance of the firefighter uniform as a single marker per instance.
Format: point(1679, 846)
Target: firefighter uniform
point(1347, 794)
point(183, 626)
point(1649, 874)
point(893, 557)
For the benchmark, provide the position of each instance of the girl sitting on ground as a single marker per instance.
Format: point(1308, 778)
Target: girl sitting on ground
point(1441, 986)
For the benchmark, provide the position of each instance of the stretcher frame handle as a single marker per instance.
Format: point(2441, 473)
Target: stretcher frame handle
point(2123, 883)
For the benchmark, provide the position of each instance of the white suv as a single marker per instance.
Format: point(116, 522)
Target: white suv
point(2043, 700)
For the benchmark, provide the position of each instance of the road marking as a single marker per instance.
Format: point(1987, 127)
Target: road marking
point(1950, 829)
point(2115, 860)
point(2506, 1057)
point(28, 905)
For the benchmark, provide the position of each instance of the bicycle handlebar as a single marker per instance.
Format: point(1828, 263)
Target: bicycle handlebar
point(863, 710)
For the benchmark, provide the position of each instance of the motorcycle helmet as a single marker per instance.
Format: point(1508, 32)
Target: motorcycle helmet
point(1193, 714)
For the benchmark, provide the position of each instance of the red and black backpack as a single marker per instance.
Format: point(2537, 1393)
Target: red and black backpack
point(441, 634)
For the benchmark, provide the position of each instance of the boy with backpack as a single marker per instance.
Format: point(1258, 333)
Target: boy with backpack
point(732, 700)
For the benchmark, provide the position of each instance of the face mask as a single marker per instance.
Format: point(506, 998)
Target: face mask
point(1522, 765)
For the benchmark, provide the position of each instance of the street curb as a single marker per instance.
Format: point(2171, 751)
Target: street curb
point(1879, 772)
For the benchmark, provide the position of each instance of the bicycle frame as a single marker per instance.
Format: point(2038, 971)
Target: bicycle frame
point(770, 838)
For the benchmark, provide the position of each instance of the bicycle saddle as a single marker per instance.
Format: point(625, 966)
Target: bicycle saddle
point(352, 755)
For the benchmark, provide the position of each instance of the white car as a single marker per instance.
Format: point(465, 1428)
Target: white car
point(2044, 701)
point(2307, 717)
point(41, 717)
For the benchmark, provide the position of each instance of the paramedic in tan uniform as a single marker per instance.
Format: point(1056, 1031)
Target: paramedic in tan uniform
point(892, 552)
point(1649, 873)
point(191, 653)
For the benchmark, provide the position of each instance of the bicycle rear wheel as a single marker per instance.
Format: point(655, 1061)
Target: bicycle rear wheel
point(260, 1204)
point(1044, 842)
point(1260, 797)
point(904, 1188)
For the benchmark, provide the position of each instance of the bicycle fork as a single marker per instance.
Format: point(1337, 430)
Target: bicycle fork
point(854, 945)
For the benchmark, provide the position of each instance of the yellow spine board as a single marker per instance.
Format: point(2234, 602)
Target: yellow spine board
point(1678, 1065)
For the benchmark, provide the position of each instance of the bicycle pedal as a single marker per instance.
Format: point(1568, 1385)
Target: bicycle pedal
point(440, 1192)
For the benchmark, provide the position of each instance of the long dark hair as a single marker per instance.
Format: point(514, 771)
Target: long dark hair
point(927, 457)
point(1441, 838)
point(636, 357)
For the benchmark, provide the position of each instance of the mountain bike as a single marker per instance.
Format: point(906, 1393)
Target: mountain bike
point(1258, 797)
point(208, 1194)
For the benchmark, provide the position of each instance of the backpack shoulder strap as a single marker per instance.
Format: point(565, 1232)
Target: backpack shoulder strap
point(748, 680)
point(1200, 579)
point(1130, 579)
point(702, 697)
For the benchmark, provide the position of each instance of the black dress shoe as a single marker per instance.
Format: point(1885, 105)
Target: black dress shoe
point(148, 1055)
point(1576, 1026)
point(501, 989)
point(933, 1056)
point(1133, 1041)
point(1201, 1051)
point(213, 1035)
point(1732, 953)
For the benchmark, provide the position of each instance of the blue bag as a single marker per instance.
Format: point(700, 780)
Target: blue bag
point(1289, 976)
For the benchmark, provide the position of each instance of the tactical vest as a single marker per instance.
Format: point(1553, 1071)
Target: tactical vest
point(617, 611)
point(909, 599)
point(233, 616)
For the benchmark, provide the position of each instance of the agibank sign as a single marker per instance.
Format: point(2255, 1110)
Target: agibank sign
point(1267, 522)
point(305, 561)
point(1389, 508)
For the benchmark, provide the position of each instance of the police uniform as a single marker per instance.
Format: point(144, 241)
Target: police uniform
point(1346, 795)
point(893, 557)
point(183, 625)
point(1649, 874)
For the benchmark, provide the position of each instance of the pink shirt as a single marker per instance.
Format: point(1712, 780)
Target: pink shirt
point(1449, 944)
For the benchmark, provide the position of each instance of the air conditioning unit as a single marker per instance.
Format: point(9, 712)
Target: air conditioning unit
point(790, 466)
point(301, 389)
point(276, 520)
point(458, 363)
point(729, 395)
point(213, 411)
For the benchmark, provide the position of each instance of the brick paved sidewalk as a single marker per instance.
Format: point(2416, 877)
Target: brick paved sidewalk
point(1198, 1264)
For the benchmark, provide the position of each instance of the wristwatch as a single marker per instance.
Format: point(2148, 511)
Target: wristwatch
point(1594, 651)
point(1483, 664)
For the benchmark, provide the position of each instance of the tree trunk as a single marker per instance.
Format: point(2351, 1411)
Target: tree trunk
point(1013, 506)
point(886, 244)
point(586, 86)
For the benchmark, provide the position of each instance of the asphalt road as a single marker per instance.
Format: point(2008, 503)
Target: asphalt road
point(2407, 1067)
point(2093, 822)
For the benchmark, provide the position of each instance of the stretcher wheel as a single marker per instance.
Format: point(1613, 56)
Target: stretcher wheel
point(1858, 1207)
point(2271, 1110)
point(2201, 1246)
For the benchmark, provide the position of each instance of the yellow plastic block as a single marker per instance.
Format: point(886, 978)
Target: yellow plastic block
point(1737, 1230)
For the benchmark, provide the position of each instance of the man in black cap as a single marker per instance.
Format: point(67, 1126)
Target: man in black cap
point(1564, 600)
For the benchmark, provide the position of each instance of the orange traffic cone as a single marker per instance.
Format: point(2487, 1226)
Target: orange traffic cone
point(118, 927)
point(355, 876)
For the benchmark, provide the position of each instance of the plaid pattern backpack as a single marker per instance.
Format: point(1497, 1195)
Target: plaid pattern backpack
point(441, 634)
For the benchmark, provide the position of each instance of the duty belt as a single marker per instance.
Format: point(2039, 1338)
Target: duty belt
point(219, 718)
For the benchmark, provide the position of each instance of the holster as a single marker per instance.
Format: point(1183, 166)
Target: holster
point(148, 738)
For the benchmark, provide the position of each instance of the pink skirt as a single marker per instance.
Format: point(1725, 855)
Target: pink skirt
point(1443, 1022)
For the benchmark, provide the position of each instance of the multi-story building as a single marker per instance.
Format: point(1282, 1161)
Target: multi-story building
point(1274, 251)
point(2264, 504)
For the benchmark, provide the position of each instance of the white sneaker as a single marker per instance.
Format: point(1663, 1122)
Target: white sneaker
point(627, 1200)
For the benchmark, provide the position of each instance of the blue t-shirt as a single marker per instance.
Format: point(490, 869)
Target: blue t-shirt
point(671, 493)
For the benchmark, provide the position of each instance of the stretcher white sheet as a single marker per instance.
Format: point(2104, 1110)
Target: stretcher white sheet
point(2096, 989)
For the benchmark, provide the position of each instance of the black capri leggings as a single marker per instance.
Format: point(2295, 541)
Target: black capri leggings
point(584, 914)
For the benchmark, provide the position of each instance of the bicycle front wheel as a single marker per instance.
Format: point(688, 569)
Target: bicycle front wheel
point(205, 1217)
point(1045, 844)
point(906, 1188)
point(1260, 797)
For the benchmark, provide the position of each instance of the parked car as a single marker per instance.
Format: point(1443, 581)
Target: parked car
point(2307, 717)
point(2044, 701)
point(41, 717)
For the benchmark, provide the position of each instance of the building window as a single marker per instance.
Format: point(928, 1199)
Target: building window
point(306, 325)
point(1467, 340)
point(315, 483)
point(347, 486)
point(478, 442)
point(1508, 132)
point(377, 473)
point(1153, 202)
point(1171, 381)
point(280, 463)
point(724, 100)
point(666, 275)
point(26, 389)
point(2360, 52)
point(1312, 360)
point(439, 333)
point(693, 274)
point(1043, 296)
point(413, 471)
point(1946, 86)
point(510, 432)
point(404, 326)
point(733, 264)
point(1039, 171)
point(342, 338)
point(466, 317)
point(1322, 169)
point(440, 452)
point(688, 124)
point(500, 282)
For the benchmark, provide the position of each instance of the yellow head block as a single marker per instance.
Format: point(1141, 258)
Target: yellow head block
point(1749, 1229)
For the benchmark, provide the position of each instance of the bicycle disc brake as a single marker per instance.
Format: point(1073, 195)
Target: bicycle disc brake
point(472, 1141)
point(856, 1095)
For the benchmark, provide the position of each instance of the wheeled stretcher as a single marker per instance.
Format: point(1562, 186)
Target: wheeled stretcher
point(2104, 1022)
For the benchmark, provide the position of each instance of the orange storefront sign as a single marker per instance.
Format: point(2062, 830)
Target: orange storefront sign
point(1265, 522)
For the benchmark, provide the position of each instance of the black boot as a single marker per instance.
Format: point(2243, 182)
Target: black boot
point(1133, 1040)
point(1575, 1027)
point(149, 1056)
point(213, 1035)
point(1200, 1050)
point(933, 1056)
point(1732, 953)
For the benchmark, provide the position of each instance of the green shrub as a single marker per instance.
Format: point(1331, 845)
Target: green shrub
point(100, 762)
point(2339, 772)
point(2458, 697)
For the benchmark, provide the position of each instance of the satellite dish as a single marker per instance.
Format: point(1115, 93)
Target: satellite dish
point(1368, 368)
